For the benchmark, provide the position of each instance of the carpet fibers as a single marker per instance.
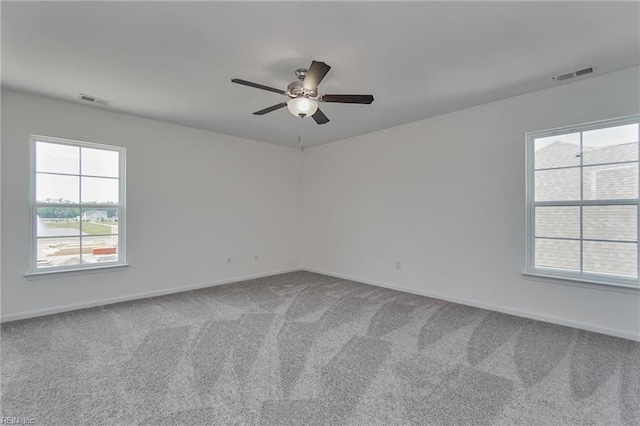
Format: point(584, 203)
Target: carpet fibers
point(304, 349)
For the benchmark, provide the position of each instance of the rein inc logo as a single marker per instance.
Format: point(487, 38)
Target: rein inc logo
point(17, 421)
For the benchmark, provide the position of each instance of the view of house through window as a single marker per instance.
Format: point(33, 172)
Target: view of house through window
point(583, 201)
point(78, 200)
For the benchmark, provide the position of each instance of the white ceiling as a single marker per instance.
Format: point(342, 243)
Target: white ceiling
point(173, 61)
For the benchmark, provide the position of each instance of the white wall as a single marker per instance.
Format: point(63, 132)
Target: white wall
point(193, 198)
point(445, 196)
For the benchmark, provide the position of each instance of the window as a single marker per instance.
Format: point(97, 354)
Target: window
point(77, 204)
point(582, 202)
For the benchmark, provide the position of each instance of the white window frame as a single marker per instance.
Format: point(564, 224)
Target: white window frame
point(531, 204)
point(33, 270)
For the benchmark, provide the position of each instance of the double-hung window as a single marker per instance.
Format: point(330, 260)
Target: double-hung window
point(77, 205)
point(582, 202)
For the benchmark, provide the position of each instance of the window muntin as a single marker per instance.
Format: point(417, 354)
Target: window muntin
point(582, 202)
point(77, 198)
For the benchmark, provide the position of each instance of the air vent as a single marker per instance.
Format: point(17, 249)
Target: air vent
point(584, 71)
point(574, 74)
point(93, 99)
point(566, 76)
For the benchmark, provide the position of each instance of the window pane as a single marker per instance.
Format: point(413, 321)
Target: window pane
point(99, 249)
point(557, 254)
point(100, 162)
point(557, 151)
point(99, 190)
point(610, 222)
point(611, 258)
point(56, 222)
point(611, 182)
point(63, 251)
point(56, 158)
point(610, 145)
point(100, 221)
point(57, 188)
point(557, 185)
point(563, 222)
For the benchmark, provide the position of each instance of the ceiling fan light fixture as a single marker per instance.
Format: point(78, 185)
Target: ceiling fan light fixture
point(302, 107)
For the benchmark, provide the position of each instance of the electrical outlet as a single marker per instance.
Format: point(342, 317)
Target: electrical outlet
point(255, 258)
point(398, 265)
point(228, 260)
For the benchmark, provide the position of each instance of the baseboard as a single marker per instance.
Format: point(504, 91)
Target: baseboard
point(66, 308)
point(544, 318)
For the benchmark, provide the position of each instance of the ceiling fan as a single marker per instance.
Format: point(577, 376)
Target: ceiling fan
point(304, 96)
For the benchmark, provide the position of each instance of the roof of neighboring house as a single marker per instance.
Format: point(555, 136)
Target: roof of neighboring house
point(563, 154)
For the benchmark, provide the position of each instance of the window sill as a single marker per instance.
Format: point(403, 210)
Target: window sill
point(591, 283)
point(41, 275)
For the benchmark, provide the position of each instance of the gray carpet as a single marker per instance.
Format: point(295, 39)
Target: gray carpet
point(303, 349)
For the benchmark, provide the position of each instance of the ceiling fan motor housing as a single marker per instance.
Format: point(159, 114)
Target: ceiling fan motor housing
point(295, 89)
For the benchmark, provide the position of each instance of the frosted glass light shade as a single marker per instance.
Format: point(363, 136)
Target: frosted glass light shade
point(302, 106)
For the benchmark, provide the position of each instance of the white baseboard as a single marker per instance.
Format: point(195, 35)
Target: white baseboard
point(544, 318)
point(74, 307)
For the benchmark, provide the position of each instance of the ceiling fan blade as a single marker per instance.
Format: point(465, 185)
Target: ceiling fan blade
point(271, 108)
point(319, 117)
point(348, 99)
point(257, 86)
point(314, 76)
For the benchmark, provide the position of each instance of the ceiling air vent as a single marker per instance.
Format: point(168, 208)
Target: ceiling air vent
point(93, 99)
point(574, 74)
point(584, 71)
